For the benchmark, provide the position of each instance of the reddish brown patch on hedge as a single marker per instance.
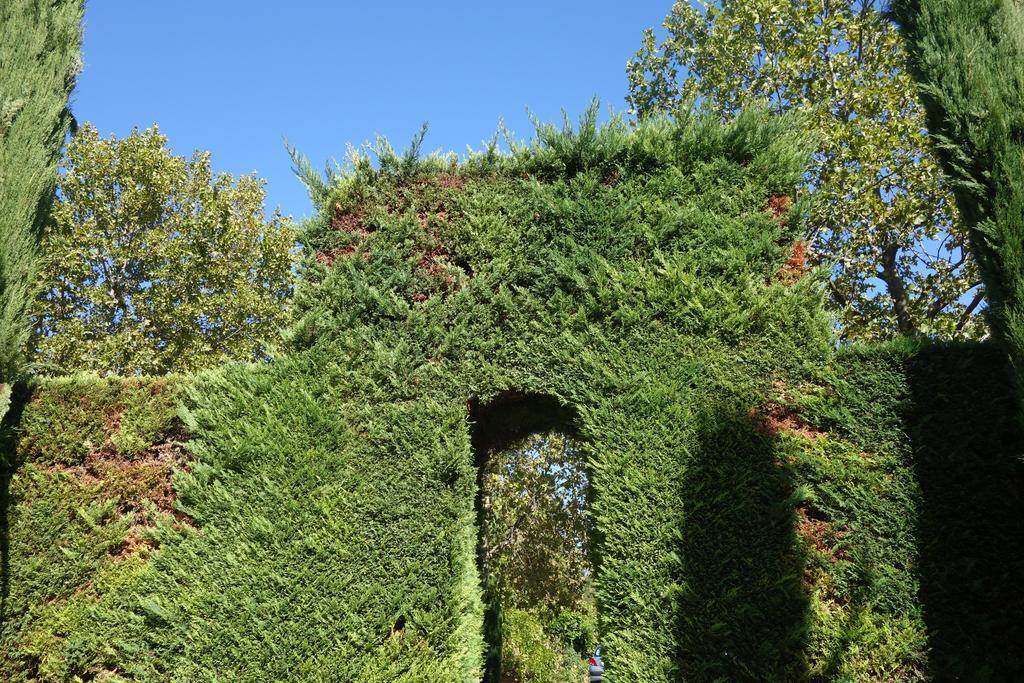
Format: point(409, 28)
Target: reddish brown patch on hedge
point(814, 527)
point(131, 481)
point(796, 266)
point(348, 221)
point(133, 544)
point(779, 206)
point(449, 181)
point(329, 257)
point(135, 484)
point(434, 261)
point(774, 419)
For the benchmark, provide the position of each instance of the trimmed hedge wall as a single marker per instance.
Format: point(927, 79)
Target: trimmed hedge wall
point(86, 497)
point(765, 509)
point(925, 494)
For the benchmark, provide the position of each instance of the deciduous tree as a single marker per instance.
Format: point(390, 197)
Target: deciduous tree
point(155, 264)
point(537, 527)
point(882, 216)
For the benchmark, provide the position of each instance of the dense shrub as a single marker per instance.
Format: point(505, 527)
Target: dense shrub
point(86, 497)
point(534, 654)
point(75, 416)
point(918, 491)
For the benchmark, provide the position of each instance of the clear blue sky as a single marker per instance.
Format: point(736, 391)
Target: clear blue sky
point(234, 77)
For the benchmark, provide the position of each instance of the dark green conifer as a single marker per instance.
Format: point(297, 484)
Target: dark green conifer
point(40, 45)
point(968, 56)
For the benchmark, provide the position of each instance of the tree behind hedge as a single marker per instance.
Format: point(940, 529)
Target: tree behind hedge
point(882, 215)
point(156, 264)
point(968, 56)
point(40, 44)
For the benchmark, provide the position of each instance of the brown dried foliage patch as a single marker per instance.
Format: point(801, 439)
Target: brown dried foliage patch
point(796, 266)
point(134, 483)
point(775, 419)
point(435, 261)
point(814, 527)
point(779, 206)
point(131, 481)
point(444, 181)
point(350, 223)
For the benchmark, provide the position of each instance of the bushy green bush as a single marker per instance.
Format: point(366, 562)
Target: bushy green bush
point(919, 483)
point(74, 416)
point(576, 628)
point(86, 497)
point(534, 655)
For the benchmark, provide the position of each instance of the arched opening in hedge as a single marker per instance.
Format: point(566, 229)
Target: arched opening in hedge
point(534, 535)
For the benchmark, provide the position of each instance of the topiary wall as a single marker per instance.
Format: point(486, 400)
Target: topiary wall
point(905, 458)
point(765, 509)
point(87, 496)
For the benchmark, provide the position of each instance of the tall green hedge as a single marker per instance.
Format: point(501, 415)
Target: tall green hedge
point(919, 480)
point(86, 496)
point(40, 45)
point(765, 510)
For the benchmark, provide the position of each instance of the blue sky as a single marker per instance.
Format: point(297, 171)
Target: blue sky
point(235, 77)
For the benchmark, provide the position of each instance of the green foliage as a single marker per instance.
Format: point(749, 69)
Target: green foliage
point(918, 485)
point(536, 532)
point(535, 550)
point(70, 531)
point(157, 265)
point(968, 58)
point(72, 417)
point(40, 41)
point(763, 509)
point(534, 655)
point(58, 535)
point(881, 215)
point(335, 487)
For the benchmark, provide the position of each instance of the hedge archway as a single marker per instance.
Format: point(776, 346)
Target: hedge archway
point(766, 508)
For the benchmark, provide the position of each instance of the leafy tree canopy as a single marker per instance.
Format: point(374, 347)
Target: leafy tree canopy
point(155, 264)
point(537, 527)
point(882, 217)
point(536, 554)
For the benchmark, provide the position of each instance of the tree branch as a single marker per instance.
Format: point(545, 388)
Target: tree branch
point(966, 315)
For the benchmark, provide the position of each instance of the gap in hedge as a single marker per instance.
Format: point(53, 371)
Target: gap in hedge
point(535, 537)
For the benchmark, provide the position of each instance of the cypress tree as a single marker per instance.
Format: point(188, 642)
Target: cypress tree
point(40, 45)
point(968, 57)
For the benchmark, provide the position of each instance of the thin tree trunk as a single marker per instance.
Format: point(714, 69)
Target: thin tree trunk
point(897, 290)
